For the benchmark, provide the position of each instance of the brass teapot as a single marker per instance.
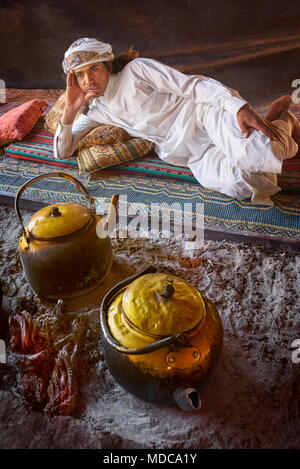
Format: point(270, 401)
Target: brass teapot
point(61, 251)
point(161, 338)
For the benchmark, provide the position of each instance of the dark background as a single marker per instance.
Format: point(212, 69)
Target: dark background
point(253, 46)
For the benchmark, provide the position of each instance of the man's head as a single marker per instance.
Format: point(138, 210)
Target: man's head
point(90, 62)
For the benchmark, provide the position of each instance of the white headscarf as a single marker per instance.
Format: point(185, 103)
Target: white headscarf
point(86, 51)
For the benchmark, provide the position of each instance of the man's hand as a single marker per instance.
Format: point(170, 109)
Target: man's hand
point(75, 97)
point(249, 120)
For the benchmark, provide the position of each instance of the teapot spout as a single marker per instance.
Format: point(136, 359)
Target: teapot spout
point(112, 213)
point(106, 225)
point(186, 398)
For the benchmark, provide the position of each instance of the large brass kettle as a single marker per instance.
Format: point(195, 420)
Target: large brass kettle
point(63, 252)
point(161, 337)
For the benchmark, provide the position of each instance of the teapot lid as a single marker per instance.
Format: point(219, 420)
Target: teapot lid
point(163, 304)
point(58, 220)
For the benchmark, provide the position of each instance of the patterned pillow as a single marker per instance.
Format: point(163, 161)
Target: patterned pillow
point(100, 156)
point(17, 122)
point(103, 135)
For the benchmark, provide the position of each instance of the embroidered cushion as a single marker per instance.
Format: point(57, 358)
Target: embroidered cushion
point(53, 116)
point(103, 135)
point(17, 122)
point(98, 157)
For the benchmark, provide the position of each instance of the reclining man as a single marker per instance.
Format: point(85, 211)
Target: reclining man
point(194, 121)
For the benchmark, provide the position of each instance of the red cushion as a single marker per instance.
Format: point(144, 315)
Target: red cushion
point(17, 122)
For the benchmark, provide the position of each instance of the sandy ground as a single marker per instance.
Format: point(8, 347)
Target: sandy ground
point(252, 400)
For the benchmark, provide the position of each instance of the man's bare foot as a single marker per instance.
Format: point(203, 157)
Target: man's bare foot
point(277, 106)
point(294, 124)
point(285, 115)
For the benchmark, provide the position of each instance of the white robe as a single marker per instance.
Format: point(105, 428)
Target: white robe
point(192, 121)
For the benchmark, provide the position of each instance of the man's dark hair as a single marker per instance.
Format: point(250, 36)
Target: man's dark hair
point(123, 59)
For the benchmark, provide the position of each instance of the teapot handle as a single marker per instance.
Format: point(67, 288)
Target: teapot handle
point(178, 338)
point(79, 185)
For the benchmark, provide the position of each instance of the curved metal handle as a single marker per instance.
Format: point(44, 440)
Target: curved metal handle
point(79, 185)
point(105, 329)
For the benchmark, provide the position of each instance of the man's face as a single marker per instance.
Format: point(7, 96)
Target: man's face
point(93, 78)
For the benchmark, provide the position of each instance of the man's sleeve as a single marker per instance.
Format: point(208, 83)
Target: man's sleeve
point(67, 136)
point(199, 88)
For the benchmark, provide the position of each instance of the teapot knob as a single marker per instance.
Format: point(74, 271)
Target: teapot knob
point(168, 291)
point(55, 212)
